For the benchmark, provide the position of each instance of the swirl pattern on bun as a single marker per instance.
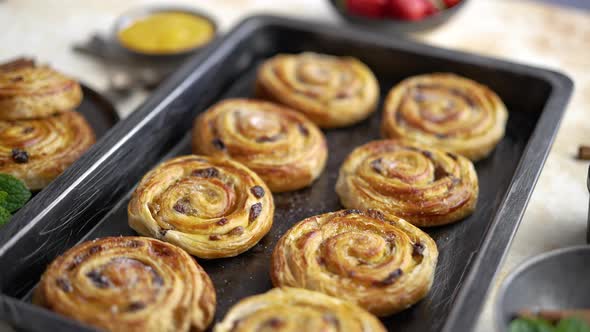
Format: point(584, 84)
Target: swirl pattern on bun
point(37, 151)
point(280, 145)
point(210, 207)
point(446, 111)
point(295, 309)
point(383, 264)
point(427, 187)
point(129, 284)
point(331, 91)
point(29, 91)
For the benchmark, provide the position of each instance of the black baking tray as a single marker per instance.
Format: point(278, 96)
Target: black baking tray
point(90, 200)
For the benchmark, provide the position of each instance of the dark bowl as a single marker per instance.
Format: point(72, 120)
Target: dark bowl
point(392, 25)
point(555, 280)
point(130, 16)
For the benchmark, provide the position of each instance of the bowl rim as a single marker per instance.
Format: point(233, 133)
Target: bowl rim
point(135, 13)
point(525, 265)
point(393, 20)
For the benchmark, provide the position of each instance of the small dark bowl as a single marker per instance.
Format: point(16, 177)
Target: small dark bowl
point(392, 25)
point(130, 16)
point(553, 280)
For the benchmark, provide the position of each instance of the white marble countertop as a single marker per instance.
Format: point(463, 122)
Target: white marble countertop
point(521, 31)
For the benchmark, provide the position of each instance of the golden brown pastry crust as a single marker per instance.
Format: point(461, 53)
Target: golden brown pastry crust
point(331, 91)
point(427, 187)
point(295, 309)
point(129, 284)
point(29, 91)
point(210, 207)
point(52, 145)
point(445, 111)
point(280, 145)
point(382, 264)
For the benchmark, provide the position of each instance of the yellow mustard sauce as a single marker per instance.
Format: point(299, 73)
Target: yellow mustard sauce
point(167, 33)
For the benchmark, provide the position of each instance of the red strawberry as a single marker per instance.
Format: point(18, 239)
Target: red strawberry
point(431, 8)
point(412, 10)
point(451, 3)
point(369, 8)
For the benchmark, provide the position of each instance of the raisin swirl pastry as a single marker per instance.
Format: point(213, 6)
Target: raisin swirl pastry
point(427, 187)
point(295, 309)
point(331, 91)
point(129, 284)
point(210, 207)
point(30, 91)
point(37, 151)
point(280, 145)
point(383, 264)
point(446, 111)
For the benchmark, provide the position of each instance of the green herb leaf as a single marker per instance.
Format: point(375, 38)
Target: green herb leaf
point(572, 325)
point(530, 325)
point(18, 194)
point(4, 216)
point(3, 195)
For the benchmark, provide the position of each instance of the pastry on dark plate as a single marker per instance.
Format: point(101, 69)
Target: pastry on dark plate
point(30, 91)
point(37, 151)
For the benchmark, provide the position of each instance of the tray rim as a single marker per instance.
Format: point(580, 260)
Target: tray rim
point(466, 307)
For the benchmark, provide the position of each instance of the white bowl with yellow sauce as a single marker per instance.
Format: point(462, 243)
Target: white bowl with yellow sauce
point(164, 31)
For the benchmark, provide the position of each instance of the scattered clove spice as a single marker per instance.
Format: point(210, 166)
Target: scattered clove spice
point(584, 152)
